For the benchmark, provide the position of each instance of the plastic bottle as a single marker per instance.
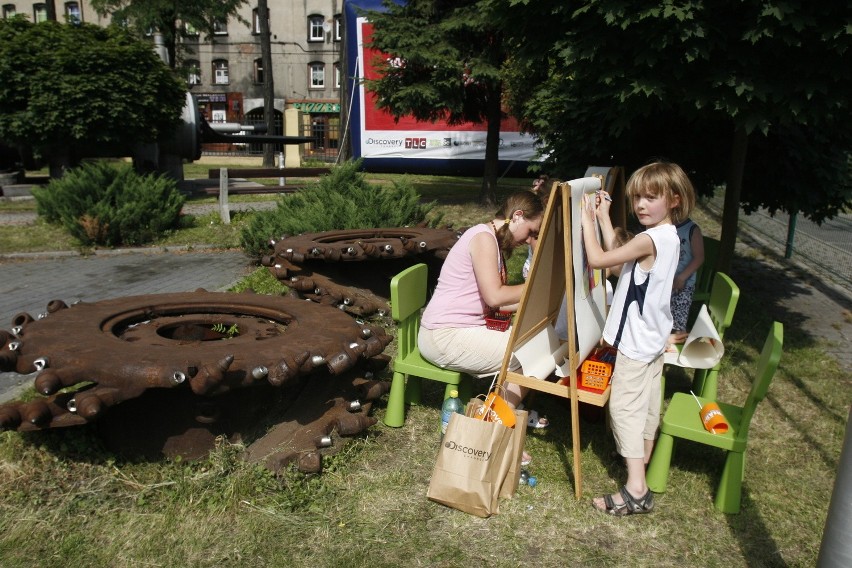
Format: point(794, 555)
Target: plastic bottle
point(452, 404)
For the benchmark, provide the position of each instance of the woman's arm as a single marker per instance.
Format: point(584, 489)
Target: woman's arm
point(483, 254)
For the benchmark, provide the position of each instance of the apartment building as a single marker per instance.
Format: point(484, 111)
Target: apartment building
point(225, 73)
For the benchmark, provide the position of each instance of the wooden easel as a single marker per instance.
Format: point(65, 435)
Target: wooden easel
point(558, 269)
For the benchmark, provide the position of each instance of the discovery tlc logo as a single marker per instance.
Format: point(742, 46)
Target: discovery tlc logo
point(386, 142)
point(479, 455)
point(415, 143)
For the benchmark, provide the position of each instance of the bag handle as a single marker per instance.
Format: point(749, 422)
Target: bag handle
point(495, 408)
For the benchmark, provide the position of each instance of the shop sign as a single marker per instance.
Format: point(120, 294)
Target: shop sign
point(317, 107)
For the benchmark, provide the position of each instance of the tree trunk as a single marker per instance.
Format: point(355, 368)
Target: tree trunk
point(733, 192)
point(268, 84)
point(58, 162)
point(488, 193)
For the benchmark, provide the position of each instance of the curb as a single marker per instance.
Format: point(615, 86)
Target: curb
point(110, 252)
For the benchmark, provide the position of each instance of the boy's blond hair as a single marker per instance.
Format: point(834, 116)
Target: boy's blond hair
point(666, 179)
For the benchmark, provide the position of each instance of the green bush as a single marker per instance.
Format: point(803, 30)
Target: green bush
point(340, 200)
point(104, 204)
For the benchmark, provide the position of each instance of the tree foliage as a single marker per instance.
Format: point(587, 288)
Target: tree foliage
point(171, 18)
point(444, 62)
point(721, 87)
point(65, 88)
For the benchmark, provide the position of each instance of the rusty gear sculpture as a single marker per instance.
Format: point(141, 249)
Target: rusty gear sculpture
point(352, 269)
point(92, 356)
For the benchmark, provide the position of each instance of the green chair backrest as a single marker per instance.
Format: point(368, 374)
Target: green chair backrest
point(723, 302)
point(705, 273)
point(407, 297)
point(764, 372)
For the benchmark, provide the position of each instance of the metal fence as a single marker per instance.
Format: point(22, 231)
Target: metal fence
point(826, 248)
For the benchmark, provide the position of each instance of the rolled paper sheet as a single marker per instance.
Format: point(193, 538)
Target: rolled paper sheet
point(703, 348)
point(542, 354)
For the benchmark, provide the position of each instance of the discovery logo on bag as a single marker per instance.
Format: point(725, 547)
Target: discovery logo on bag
point(480, 455)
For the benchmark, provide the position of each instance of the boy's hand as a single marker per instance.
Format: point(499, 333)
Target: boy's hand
point(604, 201)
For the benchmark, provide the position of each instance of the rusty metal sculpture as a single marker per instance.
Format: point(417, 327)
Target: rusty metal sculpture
point(205, 345)
point(351, 269)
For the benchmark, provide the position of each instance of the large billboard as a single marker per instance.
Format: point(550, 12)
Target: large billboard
point(408, 144)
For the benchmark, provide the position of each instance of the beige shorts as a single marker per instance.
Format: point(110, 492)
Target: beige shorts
point(472, 350)
point(634, 404)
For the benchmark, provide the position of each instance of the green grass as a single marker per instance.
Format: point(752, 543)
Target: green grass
point(67, 501)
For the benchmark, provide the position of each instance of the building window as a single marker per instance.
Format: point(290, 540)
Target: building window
point(193, 73)
point(220, 72)
point(189, 30)
point(315, 28)
point(9, 11)
point(258, 71)
point(39, 13)
point(338, 27)
point(255, 20)
point(337, 74)
point(317, 73)
point(72, 13)
point(220, 28)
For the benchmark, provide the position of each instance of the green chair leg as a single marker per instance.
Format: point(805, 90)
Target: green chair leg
point(729, 493)
point(395, 413)
point(710, 385)
point(465, 389)
point(657, 475)
point(413, 390)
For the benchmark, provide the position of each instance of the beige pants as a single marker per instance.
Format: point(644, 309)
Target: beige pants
point(634, 404)
point(472, 350)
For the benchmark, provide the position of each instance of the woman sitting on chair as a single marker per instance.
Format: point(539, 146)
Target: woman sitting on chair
point(472, 285)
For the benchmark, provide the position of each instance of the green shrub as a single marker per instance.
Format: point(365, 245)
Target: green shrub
point(104, 204)
point(340, 200)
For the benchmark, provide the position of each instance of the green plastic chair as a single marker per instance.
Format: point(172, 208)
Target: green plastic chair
point(723, 303)
point(407, 297)
point(682, 420)
point(706, 272)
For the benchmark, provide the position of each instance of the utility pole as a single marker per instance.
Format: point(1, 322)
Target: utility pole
point(268, 84)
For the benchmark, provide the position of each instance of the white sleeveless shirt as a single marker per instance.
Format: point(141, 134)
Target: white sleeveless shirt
point(640, 319)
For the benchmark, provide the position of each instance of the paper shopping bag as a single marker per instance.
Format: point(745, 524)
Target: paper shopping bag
point(515, 449)
point(471, 466)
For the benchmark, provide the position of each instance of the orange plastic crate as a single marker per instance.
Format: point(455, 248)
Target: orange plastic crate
point(595, 382)
point(595, 373)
